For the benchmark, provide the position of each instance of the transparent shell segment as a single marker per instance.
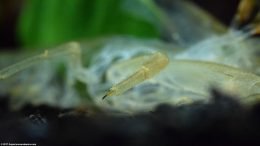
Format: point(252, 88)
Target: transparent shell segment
point(201, 54)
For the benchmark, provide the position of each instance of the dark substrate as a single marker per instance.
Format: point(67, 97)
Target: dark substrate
point(223, 121)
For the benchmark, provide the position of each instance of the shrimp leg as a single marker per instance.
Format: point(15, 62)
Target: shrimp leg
point(151, 66)
point(244, 12)
point(71, 49)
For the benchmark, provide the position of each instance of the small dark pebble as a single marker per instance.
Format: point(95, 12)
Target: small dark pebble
point(222, 121)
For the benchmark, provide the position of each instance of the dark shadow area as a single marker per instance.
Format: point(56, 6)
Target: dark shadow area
point(222, 121)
